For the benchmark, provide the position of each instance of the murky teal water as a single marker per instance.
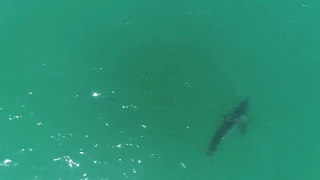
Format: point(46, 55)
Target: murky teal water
point(115, 90)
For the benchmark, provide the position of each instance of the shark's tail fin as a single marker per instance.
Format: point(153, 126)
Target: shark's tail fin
point(208, 151)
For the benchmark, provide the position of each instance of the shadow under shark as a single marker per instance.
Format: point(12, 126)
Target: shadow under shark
point(235, 117)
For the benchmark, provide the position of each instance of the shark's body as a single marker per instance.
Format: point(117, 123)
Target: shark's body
point(234, 117)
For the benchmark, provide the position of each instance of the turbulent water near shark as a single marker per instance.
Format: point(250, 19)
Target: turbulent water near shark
point(235, 117)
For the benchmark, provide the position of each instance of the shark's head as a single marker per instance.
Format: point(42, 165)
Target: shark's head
point(242, 108)
point(237, 115)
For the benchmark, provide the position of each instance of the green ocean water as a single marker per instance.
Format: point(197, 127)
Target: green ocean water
point(120, 89)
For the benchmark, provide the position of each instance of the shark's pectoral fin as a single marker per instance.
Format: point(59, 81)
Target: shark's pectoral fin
point(248, 119)
point(242, 127)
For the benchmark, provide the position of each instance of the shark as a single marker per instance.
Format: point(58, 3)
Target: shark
point(235, 117)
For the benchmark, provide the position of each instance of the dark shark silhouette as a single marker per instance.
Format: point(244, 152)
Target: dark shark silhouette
point(235, 117)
